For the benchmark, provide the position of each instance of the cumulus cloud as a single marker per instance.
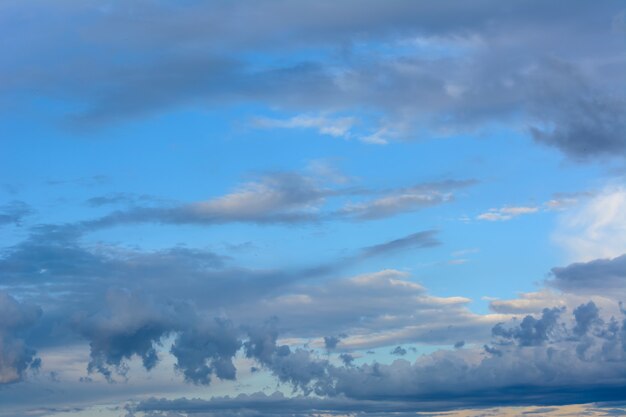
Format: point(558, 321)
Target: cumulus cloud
point(207, 348)
point(553, 362)
point(15, 355)
point(531, 331)
point(129, 326)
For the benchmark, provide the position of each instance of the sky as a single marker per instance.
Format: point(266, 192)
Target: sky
point(315, 208)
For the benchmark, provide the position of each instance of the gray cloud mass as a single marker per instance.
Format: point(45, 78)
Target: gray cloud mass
point(542, 66)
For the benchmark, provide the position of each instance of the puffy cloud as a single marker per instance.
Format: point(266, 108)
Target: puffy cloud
point(586, 316)
point(206, 348)
point(298, 367)
point(531, 331)
point(129, 326)
point(331, 342)
point(553, 367)
point(399, 350)
point(16, 356)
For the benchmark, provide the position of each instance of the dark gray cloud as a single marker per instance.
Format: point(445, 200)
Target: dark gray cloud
point(14, 212)
point(205, 349)
point(16, 318)
point(331, 342)
point(298, 367)
point(131, 300)
point(399, 350)
point(129, 326)
point(586, 315)
point(600, 276)
point(532, 331)
point(492, 64)
point(535, 365)
point(576, 118)
point(548, 373)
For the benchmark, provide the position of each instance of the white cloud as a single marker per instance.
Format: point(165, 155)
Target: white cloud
point(336, 127)
point(377, 138)
point(596, 229)
point(505, 213)
point(399, 201)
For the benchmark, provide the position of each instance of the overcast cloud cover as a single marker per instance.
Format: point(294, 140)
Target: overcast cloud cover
point(275, 208)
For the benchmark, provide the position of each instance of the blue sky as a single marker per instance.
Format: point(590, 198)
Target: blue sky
point(303, 208)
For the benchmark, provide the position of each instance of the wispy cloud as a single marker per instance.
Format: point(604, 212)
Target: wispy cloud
point(506, 213)
point(336, 127)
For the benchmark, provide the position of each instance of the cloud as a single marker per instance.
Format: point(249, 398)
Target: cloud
point(275, 198)
point(14, 212)
point(281, 198)
point(506, 213)
point(577, 119)
point(336, 127)
point(122, 199)
point(539, 361)
point(419, 240)
point(600, 276)
point(422, 69)
point(405, 200)
point(525, 303)
point(16, 318)
point(596, 228)
point(131, 301)
point(207, 348)
point(368, 311)
point(129, 326)
point(399, 350)
point(531, 331)
point(277, 404)
point(544, 353)
point(331, 342)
